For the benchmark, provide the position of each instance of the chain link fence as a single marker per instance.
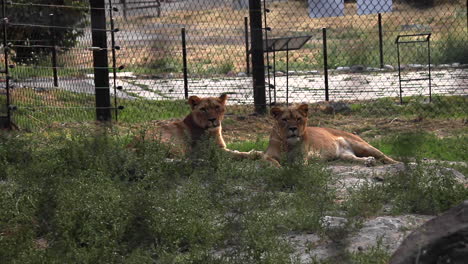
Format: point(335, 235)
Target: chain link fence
point(372, 57)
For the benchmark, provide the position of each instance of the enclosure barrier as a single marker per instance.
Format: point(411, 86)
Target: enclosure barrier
point(133, 61)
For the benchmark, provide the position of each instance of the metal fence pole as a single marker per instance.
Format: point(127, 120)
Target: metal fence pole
point(100, 60)
point(247, 53)
point(114, 58)
point(54, 49)
point(325, 61)
point(258, 63)
point(184, 58)
point(6, 71)
point(381, 41)
point(124, 3)
point(429, 65)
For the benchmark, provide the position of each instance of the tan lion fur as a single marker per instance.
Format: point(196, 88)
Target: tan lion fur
point(204, 122)
point(291, 137)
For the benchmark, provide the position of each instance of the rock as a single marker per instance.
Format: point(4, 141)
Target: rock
point(443, 239)
point(313, 72)
point(279, 73)
point(372, 69)
point(443, 66)
point(389, 67)
point(242, 74)
point(415, 66)
point(355, 176)
point(389, 231)
point(343, 69)
point(290, 73)
point(386, 230)
point(358, 68)
point(230, 74)
point(334, 221)
point(455, 64)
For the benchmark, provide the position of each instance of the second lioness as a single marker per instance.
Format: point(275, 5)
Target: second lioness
point(290, 138)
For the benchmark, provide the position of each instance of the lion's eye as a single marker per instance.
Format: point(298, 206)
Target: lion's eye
point(203, 109)
point(299, 119)
point(285, 119)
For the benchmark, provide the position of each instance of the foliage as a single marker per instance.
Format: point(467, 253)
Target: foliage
point(72, 195)
point(421, 145)
point(68, 22)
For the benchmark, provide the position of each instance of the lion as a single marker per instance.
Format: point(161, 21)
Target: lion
point(203, 123)
point(292, 137)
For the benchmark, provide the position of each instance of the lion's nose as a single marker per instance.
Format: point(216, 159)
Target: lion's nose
point(212, 120)
point(293, 129)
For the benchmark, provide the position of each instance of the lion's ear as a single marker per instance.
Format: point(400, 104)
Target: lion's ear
point(276, 111)
point(303, 109)
point(223, 98)
point(193, 100)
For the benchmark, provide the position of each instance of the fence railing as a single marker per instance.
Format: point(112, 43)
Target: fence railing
point(61, 65)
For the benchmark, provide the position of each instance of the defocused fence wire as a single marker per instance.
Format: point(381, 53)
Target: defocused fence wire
point(50, 56)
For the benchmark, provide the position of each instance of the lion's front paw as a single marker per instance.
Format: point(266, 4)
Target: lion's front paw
point(255, 154)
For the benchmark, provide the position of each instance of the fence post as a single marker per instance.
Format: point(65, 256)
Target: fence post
point(100, 60)
point(325, 61)
point(247, 53)
point(258, 63)
point(381, 41)
point(124, 3)
point(54, 49)
point(184, 58)
point(6, 71)
point(114, 58)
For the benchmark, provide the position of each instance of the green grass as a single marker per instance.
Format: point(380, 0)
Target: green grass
point(40, 109)
point(95, 201)
point(425, 145)
point(415, 106)
point(259, 144)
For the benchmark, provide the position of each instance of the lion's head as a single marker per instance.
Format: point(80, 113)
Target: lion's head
point(208, 112)
point(291, 121)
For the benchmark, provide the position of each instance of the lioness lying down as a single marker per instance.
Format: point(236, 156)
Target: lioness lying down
point(291, 137)
point(204, 122)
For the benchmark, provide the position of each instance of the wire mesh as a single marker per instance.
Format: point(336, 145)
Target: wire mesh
point(361, 70)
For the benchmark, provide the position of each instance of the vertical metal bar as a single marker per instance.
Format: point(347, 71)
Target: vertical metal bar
point(274, 76)
point(325, 61)
point(266, 28)
point(399, 71)
point(54, 49)
point(287, 73)
point(258, 63)
point(100, 60)
point(124, 3)
point(247, 54)
point(381, 42)
point(7, 70)
point(114, 59)
point(429, 59)
point(184, 57)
